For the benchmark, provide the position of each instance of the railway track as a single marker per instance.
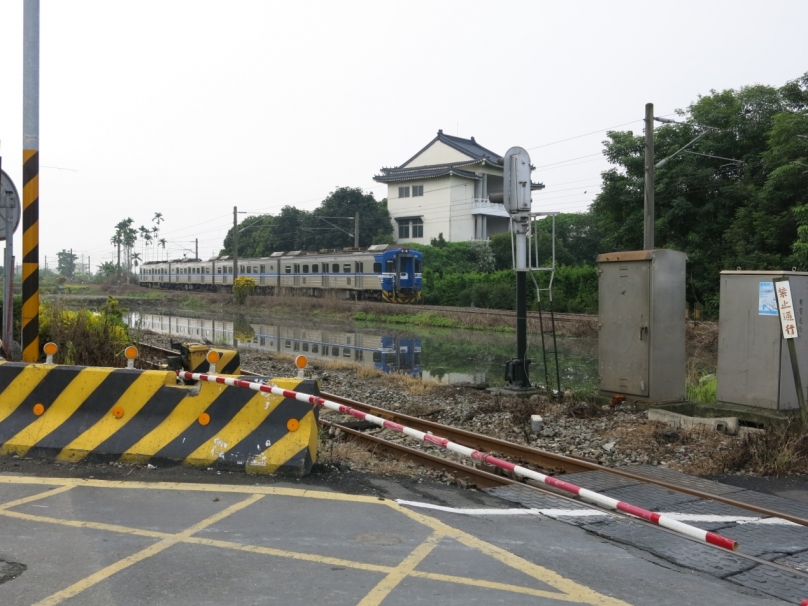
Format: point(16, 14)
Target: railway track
point(559, 317)
point(485, 476)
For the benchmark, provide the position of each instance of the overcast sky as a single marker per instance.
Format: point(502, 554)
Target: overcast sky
point(191, 107)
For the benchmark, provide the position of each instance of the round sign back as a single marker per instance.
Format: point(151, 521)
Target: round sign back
point(10, 207)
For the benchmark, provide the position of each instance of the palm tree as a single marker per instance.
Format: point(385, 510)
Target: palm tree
point(162, 243)
point(158, 218)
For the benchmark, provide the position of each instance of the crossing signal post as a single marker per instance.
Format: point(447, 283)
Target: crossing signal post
point(516, 198)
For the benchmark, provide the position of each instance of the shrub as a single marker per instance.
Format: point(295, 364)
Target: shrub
point(84, 337)
point(242, 288)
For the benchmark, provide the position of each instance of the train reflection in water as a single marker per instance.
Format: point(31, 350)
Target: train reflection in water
point(383, 352)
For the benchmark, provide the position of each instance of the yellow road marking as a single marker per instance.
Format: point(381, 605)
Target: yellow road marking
point(190, 487)
point(151, 550)
point(569, 591)
point(574, 591)
point(292, 555)
point(21, 387)
point(251, 415)
point(68, 401)
point(383, 588)
point(154, 534)
point(133, 399)
point(36, 497)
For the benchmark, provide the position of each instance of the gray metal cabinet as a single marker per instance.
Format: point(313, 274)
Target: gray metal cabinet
point(754, 367)
point(641, 341)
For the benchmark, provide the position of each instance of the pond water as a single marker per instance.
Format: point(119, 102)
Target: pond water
point(449, 356)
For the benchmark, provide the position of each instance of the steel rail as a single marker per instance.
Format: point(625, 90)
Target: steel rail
point(549, 460)
point(484, 479)
point(543, 459)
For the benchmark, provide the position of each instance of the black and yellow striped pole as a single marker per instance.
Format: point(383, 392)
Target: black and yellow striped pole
point(30, 179)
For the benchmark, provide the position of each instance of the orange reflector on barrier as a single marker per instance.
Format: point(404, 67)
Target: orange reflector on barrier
point(117, 412)
point(213, 357)
point(130, 352)
point(204, 418)
point(38, 409)
point(301, 361)
point(293, 424)
point(51, 348)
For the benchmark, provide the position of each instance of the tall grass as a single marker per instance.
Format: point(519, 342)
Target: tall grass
point(84, 337)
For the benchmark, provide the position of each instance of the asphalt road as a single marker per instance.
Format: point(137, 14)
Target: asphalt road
point(331, 539)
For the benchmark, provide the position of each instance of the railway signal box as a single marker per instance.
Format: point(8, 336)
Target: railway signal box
point(641, 326)
point(754, 366)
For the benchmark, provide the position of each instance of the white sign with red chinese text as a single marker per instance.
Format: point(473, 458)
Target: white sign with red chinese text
point(788, 318)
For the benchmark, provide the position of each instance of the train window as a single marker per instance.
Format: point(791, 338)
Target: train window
point(315, 269)
point(287, 344)
point(377, 356)
point(263, 268)
point(335, 268)
point(335, 351)
point(255, 269)
point(249, 269)
point(288, 269)
point(297, 268)
point(418, 266)
point(241, 269)
point(346, 269)
point(388, 266)
point(346, 353)
point(359, 267)
point(315, 349)
point(305, 269)
point(377, 268)
point(218, 270)
point(305, 346)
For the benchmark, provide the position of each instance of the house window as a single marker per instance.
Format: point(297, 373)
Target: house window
point(404, 229)
point(404, 192)
point(417, 190)
point(417, 228)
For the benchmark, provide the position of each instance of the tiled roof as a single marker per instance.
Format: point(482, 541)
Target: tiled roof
point(424, 172)
point(470, 147)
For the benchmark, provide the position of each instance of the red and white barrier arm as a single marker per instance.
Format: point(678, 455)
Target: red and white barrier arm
point(588, 495)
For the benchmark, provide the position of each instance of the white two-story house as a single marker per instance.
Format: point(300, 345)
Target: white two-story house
point(443, 189)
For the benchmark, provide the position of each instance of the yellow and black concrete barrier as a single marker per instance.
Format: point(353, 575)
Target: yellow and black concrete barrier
point(76, 413)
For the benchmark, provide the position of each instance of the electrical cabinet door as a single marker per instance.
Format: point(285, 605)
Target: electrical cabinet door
point(624, 296)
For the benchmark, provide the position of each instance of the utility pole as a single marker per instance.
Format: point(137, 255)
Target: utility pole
point(30, 180)
point(356, 230)
point(235, 244)
point(648, 229)
point(196, 247)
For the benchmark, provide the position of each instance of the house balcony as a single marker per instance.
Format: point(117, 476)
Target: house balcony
point(482, 206)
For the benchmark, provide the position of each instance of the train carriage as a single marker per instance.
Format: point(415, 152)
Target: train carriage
point(381, 273)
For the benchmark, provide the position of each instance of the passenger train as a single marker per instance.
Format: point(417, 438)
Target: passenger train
point(382, 273)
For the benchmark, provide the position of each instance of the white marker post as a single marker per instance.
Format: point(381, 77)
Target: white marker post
point(788, 323)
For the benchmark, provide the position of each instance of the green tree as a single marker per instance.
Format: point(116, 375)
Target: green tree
point(66, 263)
point(727, 201)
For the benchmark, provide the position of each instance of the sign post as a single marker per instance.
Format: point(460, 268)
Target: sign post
point(788, 323)
point(517, 202)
